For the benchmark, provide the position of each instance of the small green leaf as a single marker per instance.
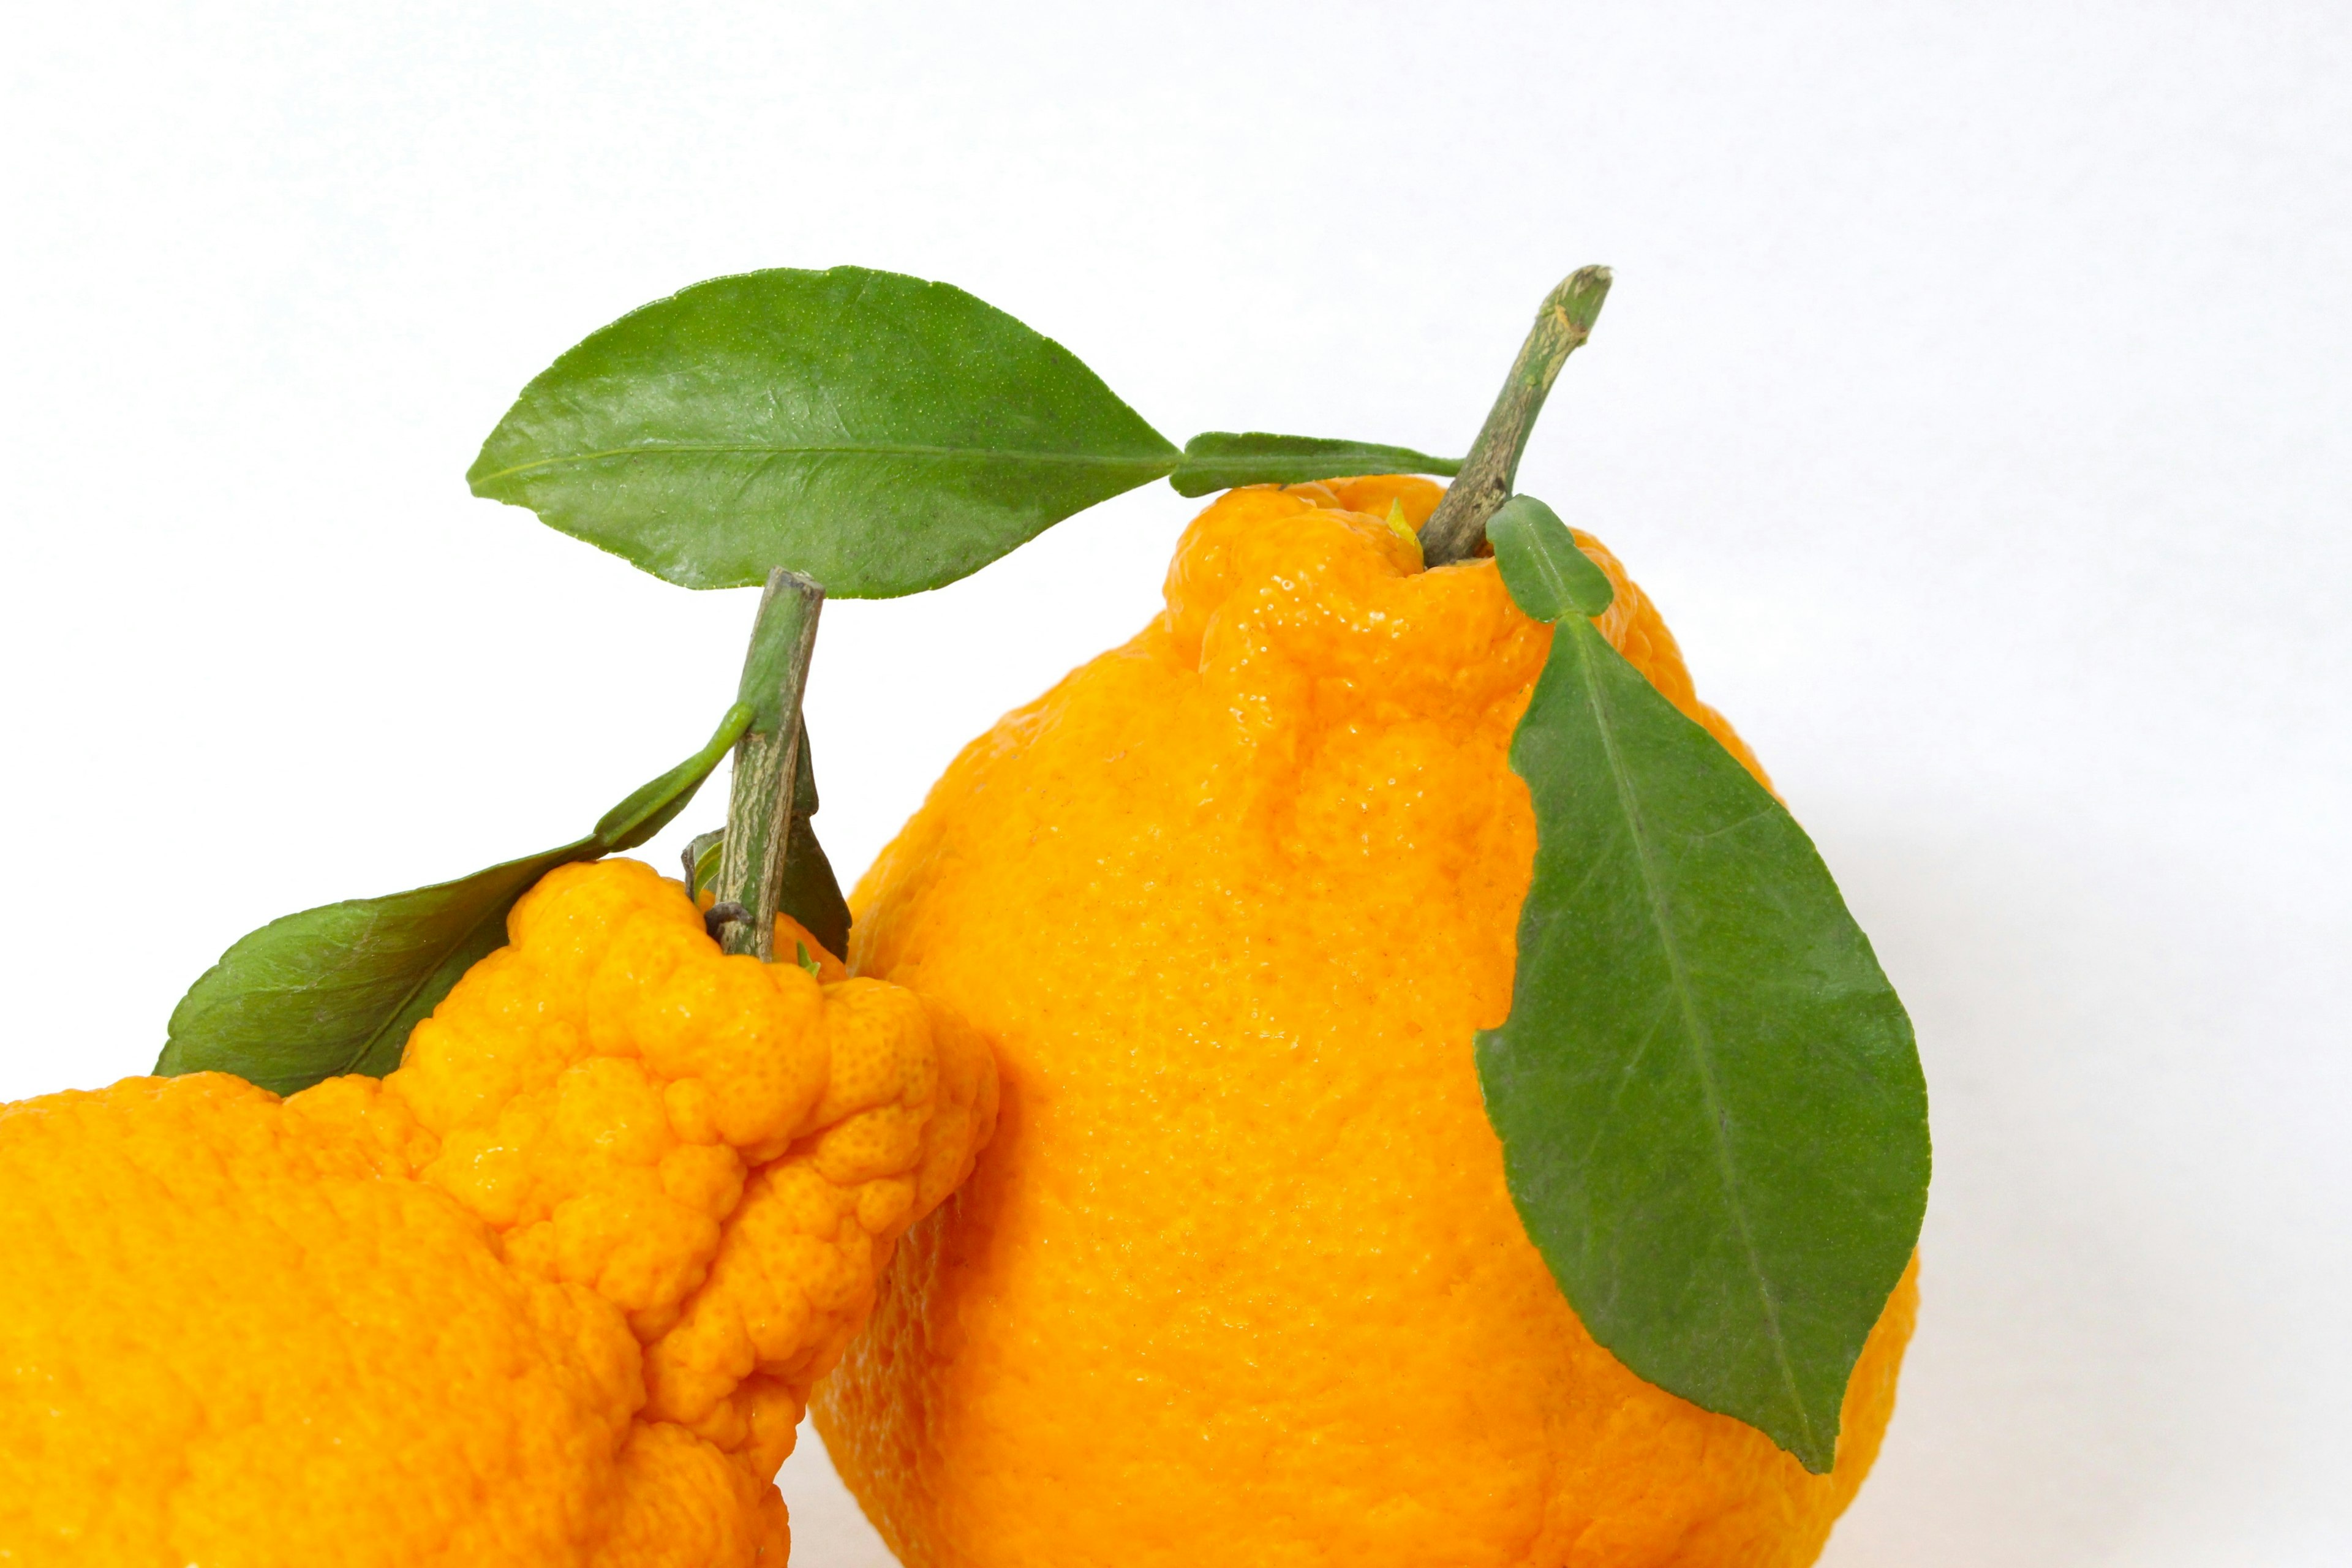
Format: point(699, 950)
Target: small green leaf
point(1547, 575)
point(1220, 459)
point(810, 893)
point(1713, 1119)
point(878, 432)
point(338, 988)
point(703, 860)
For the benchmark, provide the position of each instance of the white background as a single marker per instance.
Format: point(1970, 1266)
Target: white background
point(1974, 399)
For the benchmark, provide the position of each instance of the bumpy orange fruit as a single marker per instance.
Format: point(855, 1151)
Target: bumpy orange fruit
point(552, 1294)
point(1240, 1281)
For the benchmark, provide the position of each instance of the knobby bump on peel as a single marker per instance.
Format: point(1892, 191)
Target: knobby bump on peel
point(551, 1293)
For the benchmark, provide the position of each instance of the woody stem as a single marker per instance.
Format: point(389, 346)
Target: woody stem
point(1565, 320)
point(760, 804)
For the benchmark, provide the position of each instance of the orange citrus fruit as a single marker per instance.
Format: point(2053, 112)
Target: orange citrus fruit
point(552, 1294)
point(1239, 1282)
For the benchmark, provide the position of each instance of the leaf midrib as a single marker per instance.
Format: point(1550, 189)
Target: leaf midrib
point(1653, 893)
point(880, 449)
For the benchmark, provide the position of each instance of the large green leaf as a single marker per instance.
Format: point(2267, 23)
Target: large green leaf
point(1713, 1118)
point(878, 432)
point(1220, 459)
point(337, 989)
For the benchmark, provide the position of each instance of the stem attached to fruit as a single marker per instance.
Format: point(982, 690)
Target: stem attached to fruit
point(760, 805)
point(1459, 524)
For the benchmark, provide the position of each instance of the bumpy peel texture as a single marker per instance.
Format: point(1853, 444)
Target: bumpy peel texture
point(1240, 1280)
point(552, 1293)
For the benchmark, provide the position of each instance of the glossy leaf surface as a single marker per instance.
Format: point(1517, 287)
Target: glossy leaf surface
point(338, 988)
point(1547, 575)
point(1220, 459)
point(878, 432)
point(1713, 1118)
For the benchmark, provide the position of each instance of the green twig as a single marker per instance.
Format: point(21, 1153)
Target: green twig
point(1456, 529)
point(760, 805)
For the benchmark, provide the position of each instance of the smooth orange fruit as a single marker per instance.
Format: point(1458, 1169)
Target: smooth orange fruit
point(1239, 1282)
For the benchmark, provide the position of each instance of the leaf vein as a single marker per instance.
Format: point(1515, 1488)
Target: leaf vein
point(1654, 895)
point(769, 451)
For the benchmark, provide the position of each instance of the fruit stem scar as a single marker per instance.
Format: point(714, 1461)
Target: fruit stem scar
point(760, 804)
point(1561, 326)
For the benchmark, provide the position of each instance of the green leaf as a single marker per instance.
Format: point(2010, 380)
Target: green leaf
point(654, 807)
point(338, 988)
point(1220, 459)
point(703, 860)
point(1547, 575)
point(878, 432)
point(1713, 1118)
point(812, 894)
